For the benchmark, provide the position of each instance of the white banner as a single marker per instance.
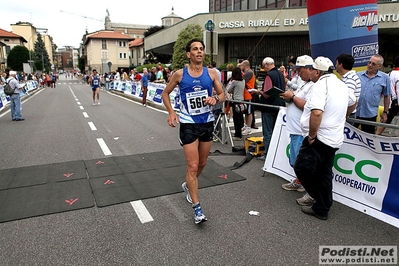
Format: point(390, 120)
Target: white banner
point(366, 170)
point(154, 93)
point(4, 99)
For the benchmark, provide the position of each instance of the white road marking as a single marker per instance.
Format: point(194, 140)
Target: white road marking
point(104, 147)
point(85, 115)
point(81, 107)
point(92, 126)
point(78, 103)
point(141, 211)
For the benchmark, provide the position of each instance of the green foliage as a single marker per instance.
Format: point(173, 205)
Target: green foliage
point(81, 64)
point(17, 56)
point(179, 49)
point(153, 30)
point(41, 58)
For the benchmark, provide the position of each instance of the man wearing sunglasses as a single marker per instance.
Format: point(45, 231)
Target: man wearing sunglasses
point(375, 84)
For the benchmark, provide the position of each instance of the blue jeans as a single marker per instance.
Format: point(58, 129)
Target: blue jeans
point(268, 122)
point(15, 106)
point(295, 144)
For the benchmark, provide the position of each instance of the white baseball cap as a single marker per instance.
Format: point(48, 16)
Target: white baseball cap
point(303, 61)
point(323, 63)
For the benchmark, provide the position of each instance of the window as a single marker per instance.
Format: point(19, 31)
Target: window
point(229, 5)
point(244, 4)
point(122, 44)
point(217, 5)
point(237, 5)
point(223, 5)
point(271, 3)
point(261, 4)
point(252, 4)
point(104, 44)
point(104, 55)
point(122, 56)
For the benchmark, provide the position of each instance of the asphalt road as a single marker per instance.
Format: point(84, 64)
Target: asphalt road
point(57, 129)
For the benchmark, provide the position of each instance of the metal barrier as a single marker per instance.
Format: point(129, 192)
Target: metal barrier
point(396, 127)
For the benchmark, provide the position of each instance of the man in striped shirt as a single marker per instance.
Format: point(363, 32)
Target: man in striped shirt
point(344, 65)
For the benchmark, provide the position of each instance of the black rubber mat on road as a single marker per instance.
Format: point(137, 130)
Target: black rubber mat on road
point(45, 189)
point(149, 175)
point(42, 174)
point(25, 202)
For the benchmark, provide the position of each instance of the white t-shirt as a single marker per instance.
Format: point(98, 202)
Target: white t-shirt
point(394, 76)
point(293, 125)
point(332, 96)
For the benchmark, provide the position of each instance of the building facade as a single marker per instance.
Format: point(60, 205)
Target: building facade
point(106, 51)
point(29, 32)
point(275, 32)
point(68, 57)
point(8, 40)
point(137, 54)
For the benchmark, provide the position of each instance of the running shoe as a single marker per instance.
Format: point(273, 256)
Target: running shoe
point(185, 189)
point(246, 132)
point(199, 216)
point(306, 200)
point(293, 186)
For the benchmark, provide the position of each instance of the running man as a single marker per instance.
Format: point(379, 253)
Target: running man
point(196, 118)
point(94, 81)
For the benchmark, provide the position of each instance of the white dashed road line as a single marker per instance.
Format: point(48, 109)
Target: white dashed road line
point(104, 147)
point(92, 126)
point(141, 211)
point(138, 206)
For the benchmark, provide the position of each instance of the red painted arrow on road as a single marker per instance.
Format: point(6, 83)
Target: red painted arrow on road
point(223, 176)
point(109, 182)
point(71, 201)
point(68, 175)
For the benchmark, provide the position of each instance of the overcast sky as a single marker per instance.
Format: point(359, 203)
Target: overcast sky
point(68, 29)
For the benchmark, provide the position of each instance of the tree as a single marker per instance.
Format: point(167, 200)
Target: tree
point(17, 56)
point(179, 49)
point(152, 30)
point(41, 58)
point(81, 64)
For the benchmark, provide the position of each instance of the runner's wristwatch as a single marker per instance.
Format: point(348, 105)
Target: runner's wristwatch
point(217, 98)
